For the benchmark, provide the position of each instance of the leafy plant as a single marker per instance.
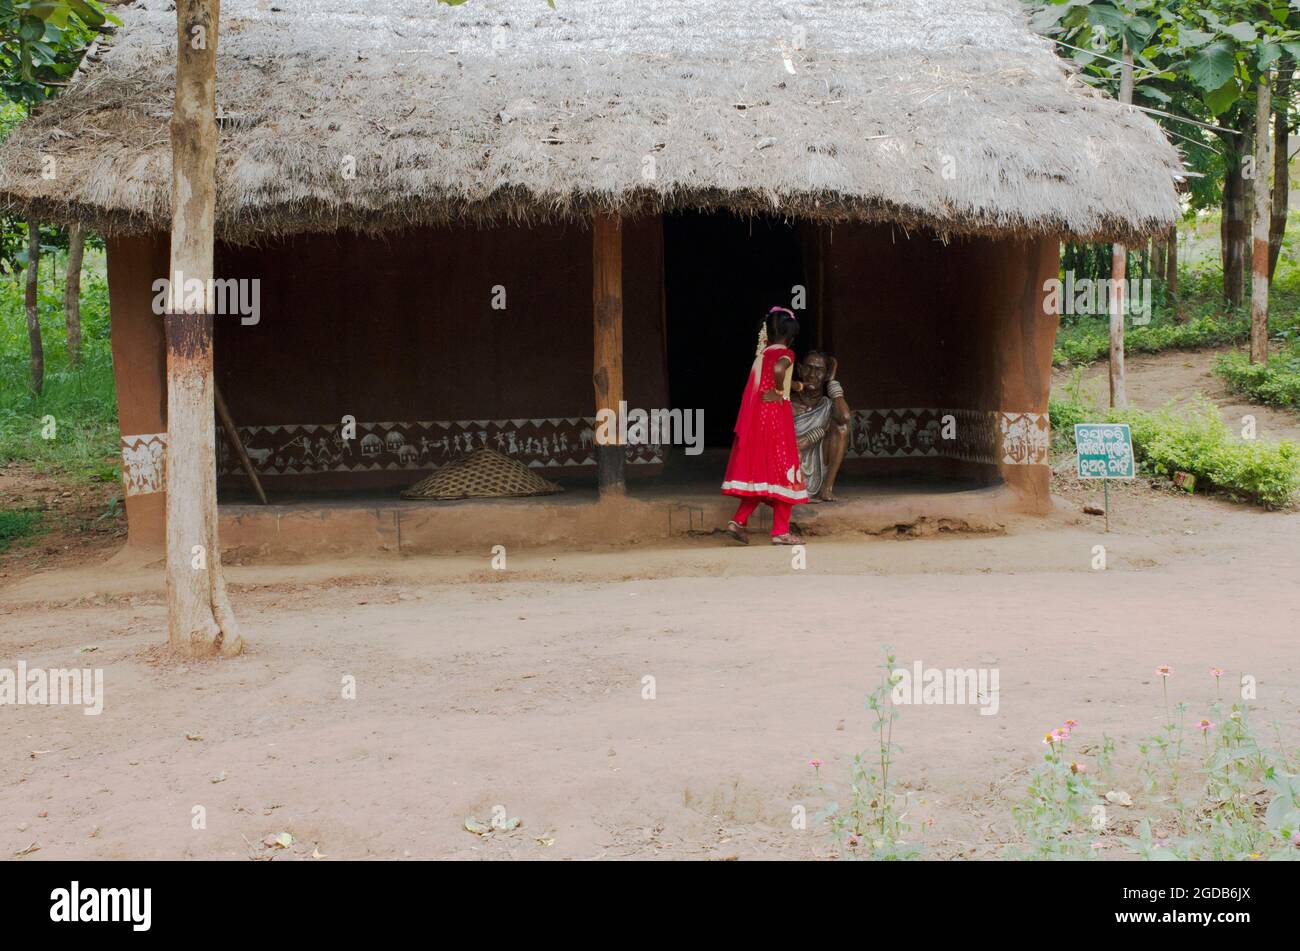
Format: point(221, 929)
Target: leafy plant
point(1061, 810)
point(871, 824)
point(1276, 382)
point(81, 400)
point(1199, 443)
point(16, 524)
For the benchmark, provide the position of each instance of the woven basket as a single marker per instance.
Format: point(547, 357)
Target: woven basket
point(483, 474)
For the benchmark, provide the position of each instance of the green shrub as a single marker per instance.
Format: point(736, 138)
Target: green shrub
point(1277, 382)
point(1199, 443)
point(82, 400)
point(1088, 340)
point(16, 524)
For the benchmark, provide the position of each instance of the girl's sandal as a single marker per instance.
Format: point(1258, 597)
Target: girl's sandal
point(789, 538)
point(738, 532)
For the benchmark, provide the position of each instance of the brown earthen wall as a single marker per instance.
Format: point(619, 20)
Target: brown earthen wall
point(403, 329)
point(139, 363)
point(918, 322)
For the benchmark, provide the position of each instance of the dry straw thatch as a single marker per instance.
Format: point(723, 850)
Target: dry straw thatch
point(508, 110)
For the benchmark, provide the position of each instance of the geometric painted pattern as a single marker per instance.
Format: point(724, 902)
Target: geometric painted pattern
point(298, 448)
point(990, 437)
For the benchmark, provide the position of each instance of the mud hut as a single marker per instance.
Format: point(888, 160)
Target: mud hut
point(476, 226)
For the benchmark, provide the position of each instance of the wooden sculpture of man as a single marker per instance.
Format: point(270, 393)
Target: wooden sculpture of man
point(821, 424)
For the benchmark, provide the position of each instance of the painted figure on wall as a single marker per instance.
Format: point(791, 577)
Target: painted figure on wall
point(822, 420)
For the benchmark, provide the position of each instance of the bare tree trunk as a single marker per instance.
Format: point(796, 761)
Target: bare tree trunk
point(199, 617)
point(1263, 214)
point(32, 299)
point(1281, 156)
point(1171, 276)
point(72, 292)
point(1234, 227)
point(1159, 251)
point(1118, 271)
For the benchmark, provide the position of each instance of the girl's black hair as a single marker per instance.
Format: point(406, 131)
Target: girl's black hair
point(782, 325)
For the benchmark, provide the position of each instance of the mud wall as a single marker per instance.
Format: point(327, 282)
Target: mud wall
point(489, 330)
point(140, 368)
point(401, 332)
point(956, 325)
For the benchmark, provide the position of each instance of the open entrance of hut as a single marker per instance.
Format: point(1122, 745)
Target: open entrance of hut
point(721, 275)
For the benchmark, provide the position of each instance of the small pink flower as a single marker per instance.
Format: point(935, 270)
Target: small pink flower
point(1071, 724)
point(1216, 672)
point(1164, 670)
point(815, 763)
point(1295, 838)
point(1204, 725)
point(1078, 767)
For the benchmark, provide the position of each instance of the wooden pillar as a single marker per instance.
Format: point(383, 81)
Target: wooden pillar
point(607, 368)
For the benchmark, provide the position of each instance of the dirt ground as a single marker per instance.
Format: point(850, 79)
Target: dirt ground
point(524, 689)
point(81, 521)
point(1181, 377)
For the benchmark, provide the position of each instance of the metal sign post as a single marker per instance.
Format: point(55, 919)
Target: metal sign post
point(1104, 451)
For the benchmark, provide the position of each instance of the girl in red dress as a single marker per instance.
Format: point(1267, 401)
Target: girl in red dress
point(764, 463)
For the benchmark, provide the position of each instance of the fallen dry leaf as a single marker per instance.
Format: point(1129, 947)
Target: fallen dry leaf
point(280, 840)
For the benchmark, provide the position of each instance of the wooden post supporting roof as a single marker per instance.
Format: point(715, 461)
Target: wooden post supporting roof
point(607, 367)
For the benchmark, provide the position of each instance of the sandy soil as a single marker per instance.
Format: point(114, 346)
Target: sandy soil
point(83, 521)
point(523, 688)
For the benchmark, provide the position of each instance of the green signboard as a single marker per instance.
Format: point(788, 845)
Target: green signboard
point(1105, 450)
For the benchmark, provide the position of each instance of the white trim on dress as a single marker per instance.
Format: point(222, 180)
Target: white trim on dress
point(764, 488)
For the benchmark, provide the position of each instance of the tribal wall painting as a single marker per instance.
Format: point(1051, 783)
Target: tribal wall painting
point(143, 460)
point(298, 448)
point(978, 435)
point(988, 437)
point(1025, 438)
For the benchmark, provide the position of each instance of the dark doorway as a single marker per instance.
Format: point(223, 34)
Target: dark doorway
point(721, 275)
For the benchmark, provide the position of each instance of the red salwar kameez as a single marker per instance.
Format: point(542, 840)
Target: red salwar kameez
point(764, 463)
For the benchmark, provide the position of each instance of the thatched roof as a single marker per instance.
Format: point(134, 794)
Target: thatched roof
point(945, 113)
